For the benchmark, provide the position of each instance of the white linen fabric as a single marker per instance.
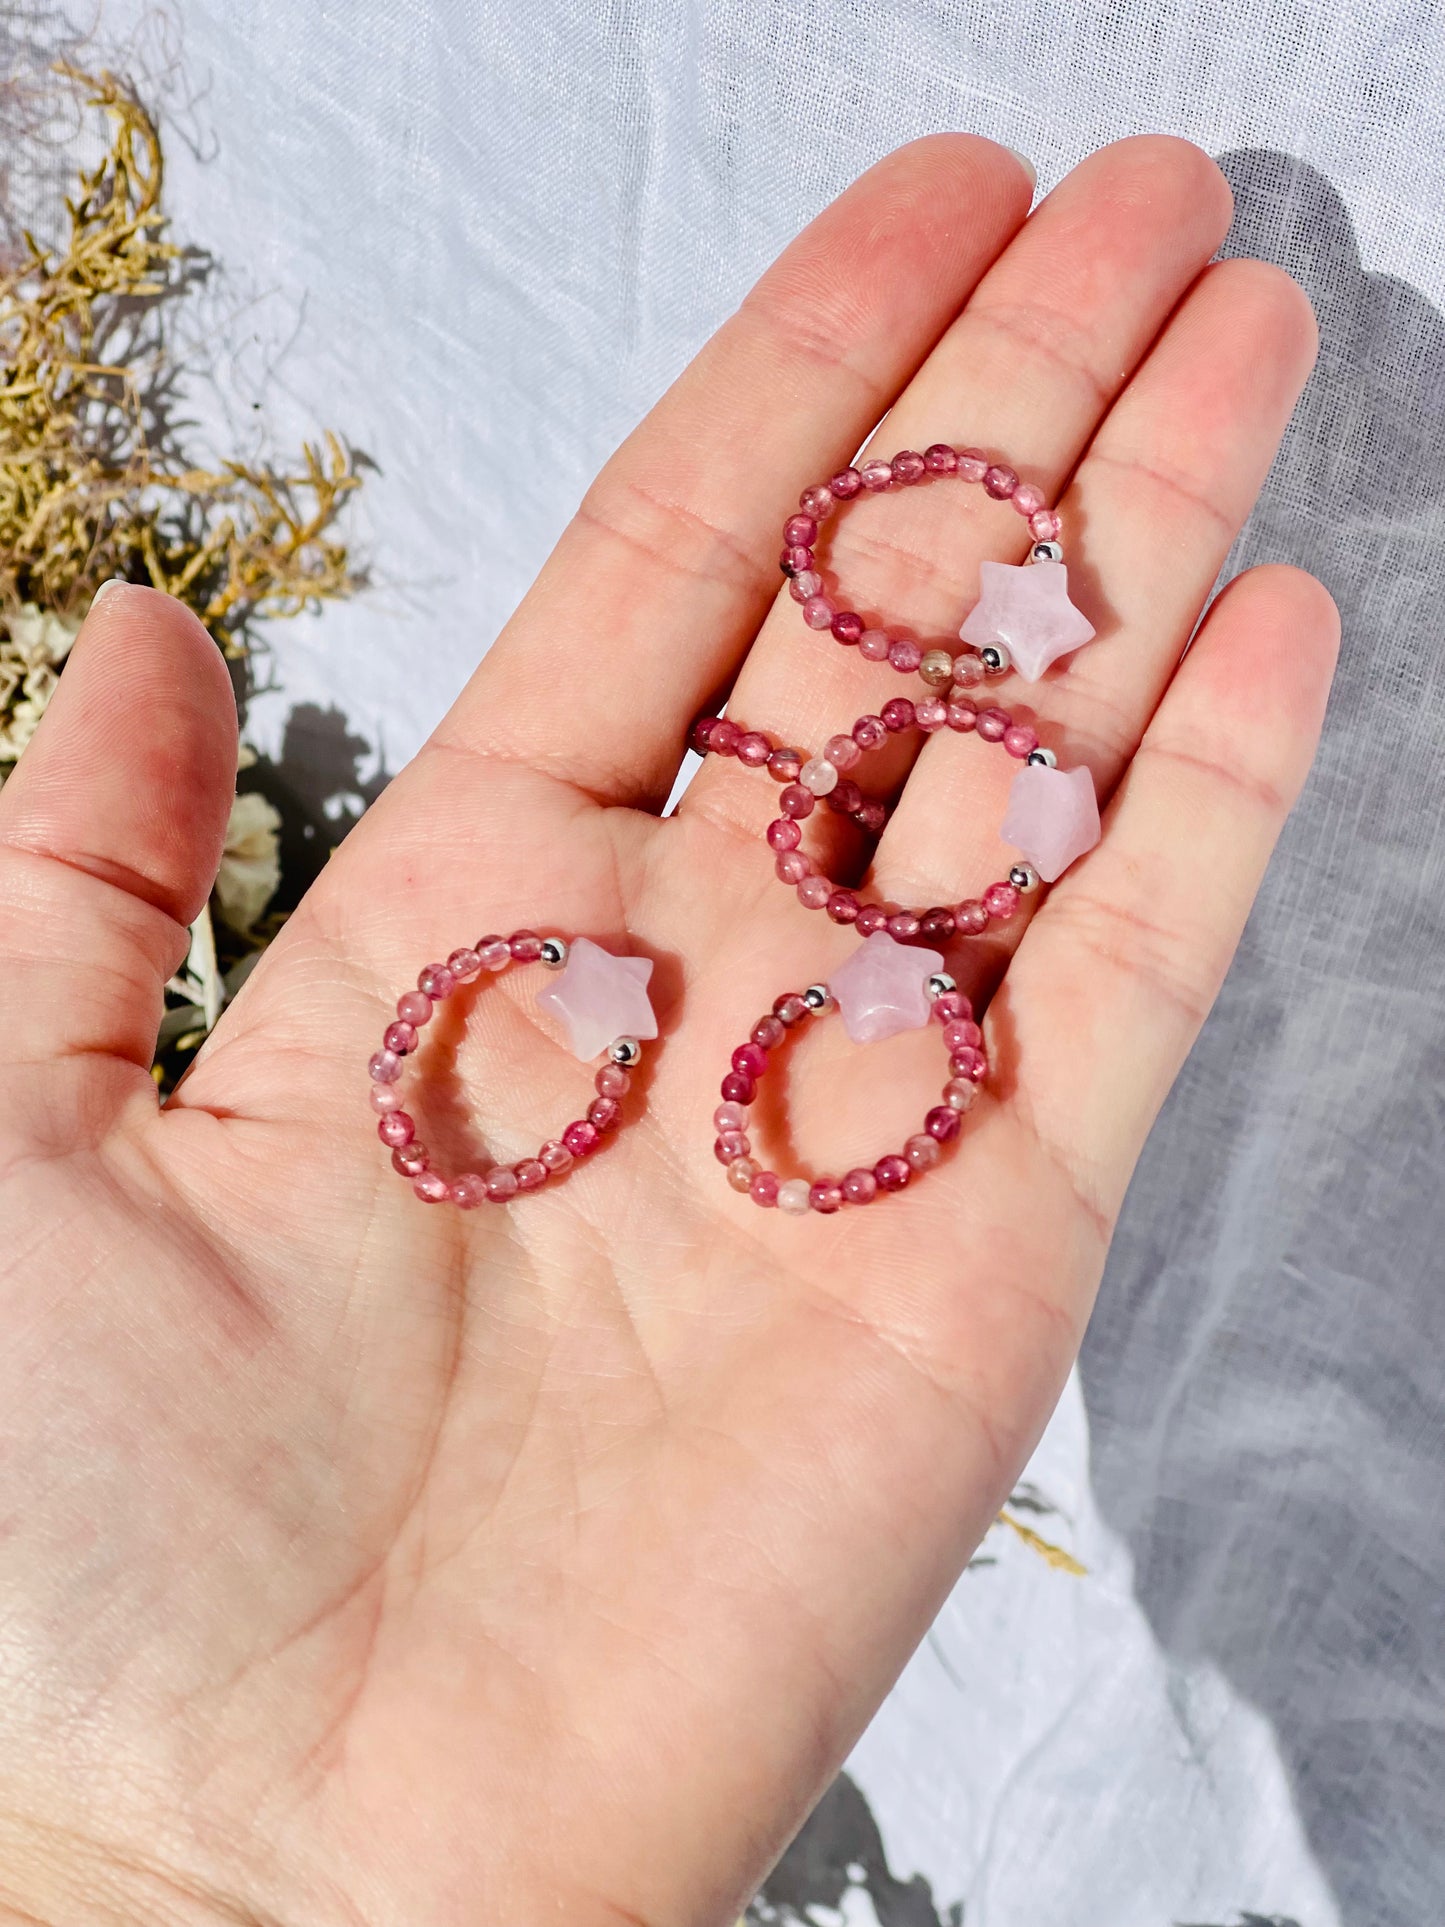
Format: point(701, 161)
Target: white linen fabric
point(480, 238)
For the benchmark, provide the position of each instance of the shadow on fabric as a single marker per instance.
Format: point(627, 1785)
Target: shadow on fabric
point(1265, 1374)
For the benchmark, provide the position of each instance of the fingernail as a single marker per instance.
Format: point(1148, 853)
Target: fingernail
point(1027, 165)
point(115, 582)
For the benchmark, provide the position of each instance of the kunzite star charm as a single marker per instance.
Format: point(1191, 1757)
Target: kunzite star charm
point(1052, 817)
point(600, 997)
point(1028, 610)
point(880, 989)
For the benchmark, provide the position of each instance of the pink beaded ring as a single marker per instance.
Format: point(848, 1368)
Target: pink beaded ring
point(603, 1004)
point(1052, 815)
point(882, 989)
point(1023, 618)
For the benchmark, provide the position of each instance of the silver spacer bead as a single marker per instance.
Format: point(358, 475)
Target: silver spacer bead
point(1024, 878)
point(996, 659)
point(1046, 552)
point(939, 985)
point(625, 1051)
point(553, 952)
point(818, 997)
point(1042, 759)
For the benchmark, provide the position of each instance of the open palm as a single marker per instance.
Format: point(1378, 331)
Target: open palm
point(361, 1562)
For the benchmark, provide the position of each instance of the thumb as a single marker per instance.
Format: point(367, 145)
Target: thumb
point(111, 831)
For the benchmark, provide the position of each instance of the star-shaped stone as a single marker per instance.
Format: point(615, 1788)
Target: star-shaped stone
point(880, 989)
point(1028, 610)
point(1052, 816)
point(600, 998)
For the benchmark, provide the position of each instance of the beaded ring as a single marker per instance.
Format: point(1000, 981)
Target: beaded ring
point(603, 1003)
point(882, 989)
point(1023, 618)
point(1052, 815)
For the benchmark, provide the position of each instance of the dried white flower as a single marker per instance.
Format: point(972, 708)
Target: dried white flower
point(251, 864)
point(37, 643)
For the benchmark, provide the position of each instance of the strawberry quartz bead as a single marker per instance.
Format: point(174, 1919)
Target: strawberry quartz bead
point(501, 1184)
point(826, 1196)
point(969, 1063)
point(554, 1157)
point(723, 737)
point(384, 1098)
point(612, 1081)
point(1001, 900)
point(795, 561)
point(994, 724)
point(814, 892)
point(860, 1186)
point(904, 655)
point(384, 1067)
point(790, 1009)
point(495, 952)
point(871, 918)
point(525, 946)
point(729, 1145)
point(729, 1117)
point(843, 907)
point(400, 1038)
point(436, 982)
point(842, 752)
point(753, 749)
point(921, 1152)
point(940, 459)
point(410, 1159)
point(792, 866)
point(800, 532)
point(763, 1188)
point(805, 585)
point(818, 612)
point(784, 765)
point(937, 925)
point(942, 1123)
point(768, 1032)
point(741, 1173)
point(582, 1137)
point(414, 1007)
point(783, 834)
point(531, 1175)
point(1045, 526)
point(750, 1059)
point(699, 740)
point(468, 1191)
point(817, 501)
point(847, 627)
point(1028, 500)
point(930, 714)
point(464, 965)
point(903, 926)
point(1000, 481)
point(892, 1173)
point(845, 797)
point(869, 731)
point(431, 1187)
point(876, 476)
point(898, 715)
point(396, 1129)
point(972, 465)
point(845, 484)
point(950, 1005)
point(908, 467)
point(1020, 741)
point(961, 1032)
point(604, 1112)
point(736, 1088)
point(796, 800)
point(971, 917)
point(873, 646)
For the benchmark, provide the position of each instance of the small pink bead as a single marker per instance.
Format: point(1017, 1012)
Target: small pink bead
point(962, 715)
point(898, 715)
point(582, 1137)
point(795, 561)
point(784, 764)
point(922, 1151)
point(892, 1173)
point(805, 585)
point(904, 655)
point(495, 953)
point(969, 1063)
point(763, 1188)
point(796, 800)
point(698, 738)
point(789, 1009)
point(792, 866)
point(399, 1038)
point(723, 738)
point(396, 1129)
point(845, 484)
point(961, 1034)
point(931, 713)
point(436, 982)
point(971, 917)
point(842, 752)
point(729, 1117)
point(942, 1122)
point(410, 1159)
point(814, 892)
point(737, 1088)
point(385, 1098)
point(800, 532)
point(384, 1067)
point(431, 1187)
point(875, 476)
point(1021, 741)
point(818, 612)
point(753, 749)
point(525, 946)
point(605, 1113)
point(729, 1145)
point(1027, 499)
point(750, 1059)
point(1045, 526)
point(972, 464)
point(847, 627)
point(501, 1184)
point(554, 1157)
point(531, 1174)
point(872, 815)
point(783, 834)
point(612, 1081)
point(1000, 481)
point(903, 926)
point(464, 965)
point(869, 732)
point(845, 795)
point(741, 1173)
point(768, 1032)
point(819, 776)
point(950, 1005)
point(859, 1185)
point(994, 724)
point(873, 645)
point(936, 925)
point(940, 459)
point(817, 501)
point(960, 1094)
point(871, 918)
point(414, 1007)
point(1000, 900)
point(968, 669)
point(843, 907)
point(469, 1190)
point(908, 466)
point(825, 1196)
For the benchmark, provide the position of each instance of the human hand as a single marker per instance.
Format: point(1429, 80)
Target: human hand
point(367, 1563)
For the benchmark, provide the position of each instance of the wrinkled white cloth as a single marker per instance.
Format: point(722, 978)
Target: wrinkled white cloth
point(480, 238)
